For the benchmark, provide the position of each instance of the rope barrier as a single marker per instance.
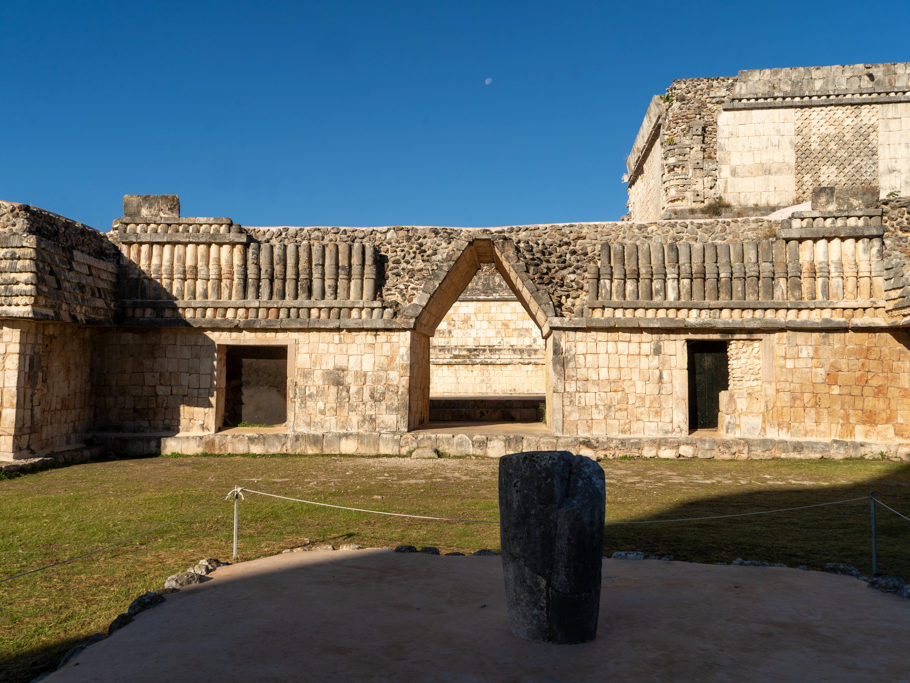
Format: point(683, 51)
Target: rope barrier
point(879, 501)
point(236, 494)
point(238, 489)
point(739, 514)
point(113, 545)
point(372, 512)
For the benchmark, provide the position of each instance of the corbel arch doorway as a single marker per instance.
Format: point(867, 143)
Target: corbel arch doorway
point(500, 401)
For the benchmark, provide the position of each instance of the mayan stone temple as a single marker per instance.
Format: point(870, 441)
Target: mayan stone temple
point(754, 302)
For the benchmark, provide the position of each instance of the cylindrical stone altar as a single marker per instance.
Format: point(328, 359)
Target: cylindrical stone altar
point(551, 509)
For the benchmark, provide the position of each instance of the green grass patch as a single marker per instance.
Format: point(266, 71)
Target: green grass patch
point(58, 513)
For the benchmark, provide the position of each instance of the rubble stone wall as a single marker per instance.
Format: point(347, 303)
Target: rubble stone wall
point(53, 268)
point(689, 135)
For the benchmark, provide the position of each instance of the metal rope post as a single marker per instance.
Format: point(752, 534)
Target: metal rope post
point(237, 494)
point(237, 524)
point(874, 545)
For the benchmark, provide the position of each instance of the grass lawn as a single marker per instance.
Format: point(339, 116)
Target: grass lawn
point(55, 514)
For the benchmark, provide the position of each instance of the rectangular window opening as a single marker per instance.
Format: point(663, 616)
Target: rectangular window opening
point(255, 386)
point(708, 376)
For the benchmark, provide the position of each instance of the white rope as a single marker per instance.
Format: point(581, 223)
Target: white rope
point(483, 521)
point(878, 500)
point(739, 514)
point(236, 492)
point(372, 512)
point(112, 545)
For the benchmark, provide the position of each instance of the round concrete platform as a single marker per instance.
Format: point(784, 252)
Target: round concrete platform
point(378, 615)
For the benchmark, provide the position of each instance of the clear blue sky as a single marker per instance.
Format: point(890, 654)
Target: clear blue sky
point(374, 113)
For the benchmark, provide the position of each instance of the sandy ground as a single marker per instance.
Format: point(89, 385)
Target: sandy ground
point(378, 615)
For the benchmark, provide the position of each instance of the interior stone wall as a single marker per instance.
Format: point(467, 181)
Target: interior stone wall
point(487, 344)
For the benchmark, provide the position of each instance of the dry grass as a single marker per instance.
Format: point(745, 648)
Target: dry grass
point(55, 514)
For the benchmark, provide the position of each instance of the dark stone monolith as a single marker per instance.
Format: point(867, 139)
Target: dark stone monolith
point(551, 508)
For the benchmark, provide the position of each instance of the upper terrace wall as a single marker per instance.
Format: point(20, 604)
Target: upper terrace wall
point(764, 140)
point(212, 272)
point(53, 268)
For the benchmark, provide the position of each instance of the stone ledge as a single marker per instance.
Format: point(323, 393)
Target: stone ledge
point(249, 303)
point(838, 213)
point(743, 305)
point(170, 220)
point(270, 324)
point(722, 324)
point(182, 238)
point(828, 233)
point(466, 443)
point(800, 102)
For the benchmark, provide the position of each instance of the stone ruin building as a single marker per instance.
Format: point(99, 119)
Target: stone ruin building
point(755, 302)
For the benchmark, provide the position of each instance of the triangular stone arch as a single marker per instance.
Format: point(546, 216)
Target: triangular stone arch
point(440, 292)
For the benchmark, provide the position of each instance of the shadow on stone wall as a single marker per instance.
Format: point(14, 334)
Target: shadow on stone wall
point(157, 378)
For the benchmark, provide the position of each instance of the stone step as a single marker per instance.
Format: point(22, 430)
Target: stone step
point(487, 409)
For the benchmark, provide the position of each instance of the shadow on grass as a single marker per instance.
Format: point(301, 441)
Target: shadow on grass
point(27, 665)
point(810, 537)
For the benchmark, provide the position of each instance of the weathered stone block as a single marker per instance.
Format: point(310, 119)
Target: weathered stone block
point(551, 531)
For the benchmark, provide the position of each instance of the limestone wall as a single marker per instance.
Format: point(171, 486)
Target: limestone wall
point(646, 192)
point(840, 385)
point(487, 344)
point(172, 380)
point(789, 385)
point(894, 148)
point(352, 381)
point(487, 347)
point(765, 139)
point(153, 380)
point(617, 383)
point(47, 392)
point(756, 154)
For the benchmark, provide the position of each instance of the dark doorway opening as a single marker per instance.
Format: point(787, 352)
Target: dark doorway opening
point(255, 386)
point(708, 376)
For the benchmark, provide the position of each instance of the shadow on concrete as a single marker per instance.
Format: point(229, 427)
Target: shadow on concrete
point(379, 615)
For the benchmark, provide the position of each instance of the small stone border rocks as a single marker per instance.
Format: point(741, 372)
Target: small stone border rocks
point(195, 574)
